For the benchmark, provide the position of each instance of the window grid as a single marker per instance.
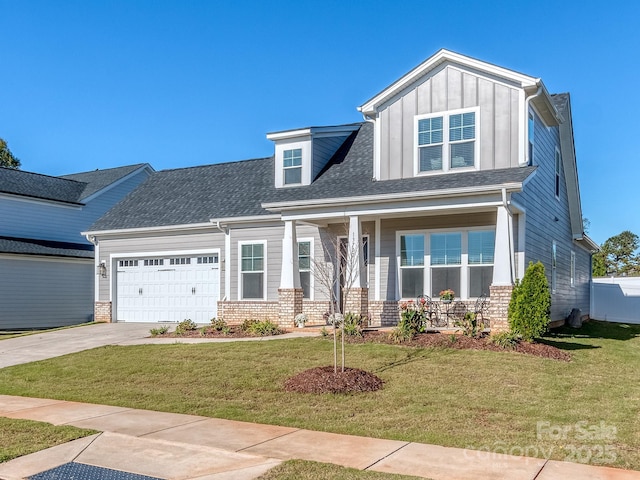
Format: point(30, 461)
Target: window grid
point(292, 166)
point(252, 271)
point(304, 267)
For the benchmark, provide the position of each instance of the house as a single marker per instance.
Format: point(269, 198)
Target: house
point(460, 174)
point(47, 272)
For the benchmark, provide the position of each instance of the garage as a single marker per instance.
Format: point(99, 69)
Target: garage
point(167, 289)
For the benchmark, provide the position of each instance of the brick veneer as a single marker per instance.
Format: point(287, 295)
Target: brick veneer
point(383, 313)
point(102, 312)
point(236, 312)
point(499, 307)
point(356, 300)
point(290, 305)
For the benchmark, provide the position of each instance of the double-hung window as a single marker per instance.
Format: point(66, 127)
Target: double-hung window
point(412, 265)
point(481, 248)
point(446, 259)
point(292, 166)
point(252, 270)
point(304, 266)
point(447, 142)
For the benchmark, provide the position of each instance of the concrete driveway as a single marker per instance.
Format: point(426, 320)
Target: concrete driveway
point(40, 346)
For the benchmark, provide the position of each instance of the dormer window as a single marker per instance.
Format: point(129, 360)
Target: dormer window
point(446, 141)
point(292, 166)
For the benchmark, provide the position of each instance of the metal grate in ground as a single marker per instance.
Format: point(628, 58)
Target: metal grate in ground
point(80, 471)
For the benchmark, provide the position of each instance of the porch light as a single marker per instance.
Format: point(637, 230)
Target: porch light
point(101, 269)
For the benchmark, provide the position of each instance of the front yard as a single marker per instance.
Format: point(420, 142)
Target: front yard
point(587, 409)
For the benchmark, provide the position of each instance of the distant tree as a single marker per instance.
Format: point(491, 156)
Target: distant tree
point(6, 157)
point(586, 224)
point(618, 256)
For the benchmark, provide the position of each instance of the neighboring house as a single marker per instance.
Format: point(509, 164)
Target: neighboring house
point(47, 271)
point(461, 173)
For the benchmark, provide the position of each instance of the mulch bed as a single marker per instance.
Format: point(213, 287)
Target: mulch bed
point(325, 380)
point(462, 342)
point(211, 333)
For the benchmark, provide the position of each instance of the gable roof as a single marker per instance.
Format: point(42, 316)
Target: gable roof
point(247, 188)
point(96, 180)
point(533, 86)
point(38, 186)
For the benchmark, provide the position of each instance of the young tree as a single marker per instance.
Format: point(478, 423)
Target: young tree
point(618, 256)
point(7, 159)
point(530, 306)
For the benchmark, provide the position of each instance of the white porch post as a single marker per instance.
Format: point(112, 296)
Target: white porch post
point(503, 254)
point(354, 260)
point(290, 275)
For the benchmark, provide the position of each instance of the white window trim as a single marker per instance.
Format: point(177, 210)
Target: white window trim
point(367, 236)
point(264, 269)
point(554, 267)
point(446, 151)
point(311, 266)
point(307, 162)
point(557, 173)
point(464, 260)
point(572, 272)
point(284, 169)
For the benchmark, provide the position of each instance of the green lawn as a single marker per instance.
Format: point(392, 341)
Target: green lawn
point(303, 470)
point(22, 437)
point(475, 399)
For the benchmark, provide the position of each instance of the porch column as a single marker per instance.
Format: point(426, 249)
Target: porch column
point(290, 292)
point(502, 285)
point(357, 294)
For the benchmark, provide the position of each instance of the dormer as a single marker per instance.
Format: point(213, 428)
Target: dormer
point(301, 154)
point(453, 113)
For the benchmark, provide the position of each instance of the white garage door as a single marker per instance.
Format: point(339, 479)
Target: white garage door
point(168, 289)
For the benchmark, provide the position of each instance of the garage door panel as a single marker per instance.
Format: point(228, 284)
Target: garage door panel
point(163, 293)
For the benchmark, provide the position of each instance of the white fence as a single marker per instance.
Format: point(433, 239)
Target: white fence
point(616, 299)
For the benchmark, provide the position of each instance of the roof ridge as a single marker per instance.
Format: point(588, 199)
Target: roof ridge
point(193, 167)
point(43, 175)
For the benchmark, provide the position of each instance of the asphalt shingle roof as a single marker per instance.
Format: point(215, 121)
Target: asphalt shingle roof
point(197, 194)
point(35, 185)
point(29, 246)
point(96, 180)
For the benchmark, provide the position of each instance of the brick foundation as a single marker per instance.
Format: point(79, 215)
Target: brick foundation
point(315, 311)
point(289, 305)
point(499, 308)
point(236, 312)
point(102, 312)
point(383, 313)
point(356, 300)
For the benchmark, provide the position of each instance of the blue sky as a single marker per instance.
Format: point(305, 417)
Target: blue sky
point(99, 84)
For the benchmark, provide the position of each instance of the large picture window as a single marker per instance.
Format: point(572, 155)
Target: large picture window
point(432, 261)
point(446, 141)
point(252, 270)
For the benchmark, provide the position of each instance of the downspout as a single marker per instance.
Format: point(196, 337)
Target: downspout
point(512, 259)
point(527, 102)
point(227, 255)
point(96, 262)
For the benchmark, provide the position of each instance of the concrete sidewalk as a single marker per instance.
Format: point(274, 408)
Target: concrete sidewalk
point(173, 446)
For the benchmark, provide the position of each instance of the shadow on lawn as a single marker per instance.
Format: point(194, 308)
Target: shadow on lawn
point(592, 329)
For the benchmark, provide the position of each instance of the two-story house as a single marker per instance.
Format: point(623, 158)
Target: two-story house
point(47, 271)
point(460, 174)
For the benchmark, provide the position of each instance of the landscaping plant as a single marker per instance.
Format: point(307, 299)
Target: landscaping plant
point(530, 306)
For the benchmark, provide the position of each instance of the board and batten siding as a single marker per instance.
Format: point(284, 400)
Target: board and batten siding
point(155, 243)
point(323, 150)
point(31, 218)
point(452, 89)
point(44, 292)
point(547, 219)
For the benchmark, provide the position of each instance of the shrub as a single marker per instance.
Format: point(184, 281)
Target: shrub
point(469, 325)
point(300, 320)
point(187, 325)
point(530, 305)
point(218, 324)
point(353, 324)
point(159, 331)
point(508, 340)
point(260, 328)
point(324, 332)
point(412, 321)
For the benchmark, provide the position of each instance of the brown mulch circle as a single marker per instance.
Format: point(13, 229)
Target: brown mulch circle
point(462, 342)
point(325, 380)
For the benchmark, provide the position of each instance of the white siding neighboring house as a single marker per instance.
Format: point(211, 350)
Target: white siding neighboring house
point(461, 173)
point(47, 272)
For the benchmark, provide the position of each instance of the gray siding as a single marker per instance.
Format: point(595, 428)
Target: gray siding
point(547, 219)
point(51, 221)
point(323, 150)
point(39, 292)
point(450, 89)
